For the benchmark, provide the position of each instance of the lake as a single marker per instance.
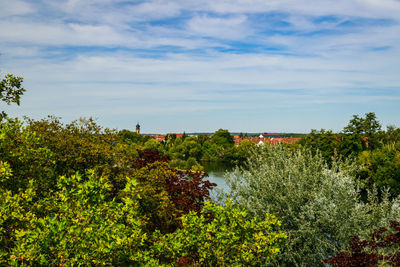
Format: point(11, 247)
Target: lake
point(216, 172)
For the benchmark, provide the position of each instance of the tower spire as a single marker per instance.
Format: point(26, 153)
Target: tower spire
point(137, 128)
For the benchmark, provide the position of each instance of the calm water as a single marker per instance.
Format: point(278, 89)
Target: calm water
point(216, 172)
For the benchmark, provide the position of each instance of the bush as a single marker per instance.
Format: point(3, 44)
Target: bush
point(77, 224)
point(320, 208)
point(221, 236)
point(382, 249)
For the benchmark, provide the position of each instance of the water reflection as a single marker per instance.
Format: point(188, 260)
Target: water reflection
point(216, 172)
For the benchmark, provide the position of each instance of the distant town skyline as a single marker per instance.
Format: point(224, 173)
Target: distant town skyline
point(198, 66)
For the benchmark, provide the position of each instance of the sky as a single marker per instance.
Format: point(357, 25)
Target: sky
point(201, 65)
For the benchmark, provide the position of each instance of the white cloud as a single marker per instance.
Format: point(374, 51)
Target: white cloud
point(122, 13)
point(14, 7)
point(225, 28)
point(93, 35)
point(154, 10)
point(221, 72)
point(19, 51)
point(105, 23)
point(361, 8)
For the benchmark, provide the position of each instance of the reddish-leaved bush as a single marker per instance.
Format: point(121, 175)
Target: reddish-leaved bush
point(381, 250)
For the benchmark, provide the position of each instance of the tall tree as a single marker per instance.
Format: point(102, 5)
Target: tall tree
point(368, 127)
point(365, 126)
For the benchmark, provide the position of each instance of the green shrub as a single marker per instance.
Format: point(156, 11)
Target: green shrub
point(221, 236)
point(77, 224)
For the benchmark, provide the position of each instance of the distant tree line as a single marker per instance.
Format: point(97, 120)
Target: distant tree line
point(190, 152)
point(377, 152)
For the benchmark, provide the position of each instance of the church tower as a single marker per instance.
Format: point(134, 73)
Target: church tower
point(138, 128)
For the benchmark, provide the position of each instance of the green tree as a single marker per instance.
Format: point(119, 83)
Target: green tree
point(189, 148)
point(170, 137)
point(202, 138)
point(368, 127)
point(10, 91)
point(324, 142)
point(152, 144)
point(169, 143)
point(210, 151)
point(192, 164)
point(364, 126)
point(223, 138)
point(392, 135)
point(350, 145)
point(45, 149)
point(381, 167)
point(351, 141)
point(130, 136)
point(243, 150)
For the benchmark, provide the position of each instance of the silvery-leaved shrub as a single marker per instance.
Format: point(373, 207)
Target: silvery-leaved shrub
point(320, 208)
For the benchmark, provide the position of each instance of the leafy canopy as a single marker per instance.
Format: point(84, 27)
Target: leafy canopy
point(222, 137)
point(10, 91)
point(222, 236)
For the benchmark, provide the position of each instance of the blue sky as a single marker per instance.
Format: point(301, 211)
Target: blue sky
point(201, 65)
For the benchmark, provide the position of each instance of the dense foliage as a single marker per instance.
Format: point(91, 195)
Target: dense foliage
point(319, 206)
point(78, 194)
point(192, 152)
point(77, 223)
point(364, 141)
point(360, 134)
point(381, 167)
point(222, 236)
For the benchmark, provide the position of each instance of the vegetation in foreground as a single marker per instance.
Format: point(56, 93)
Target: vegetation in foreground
point(77, 195)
